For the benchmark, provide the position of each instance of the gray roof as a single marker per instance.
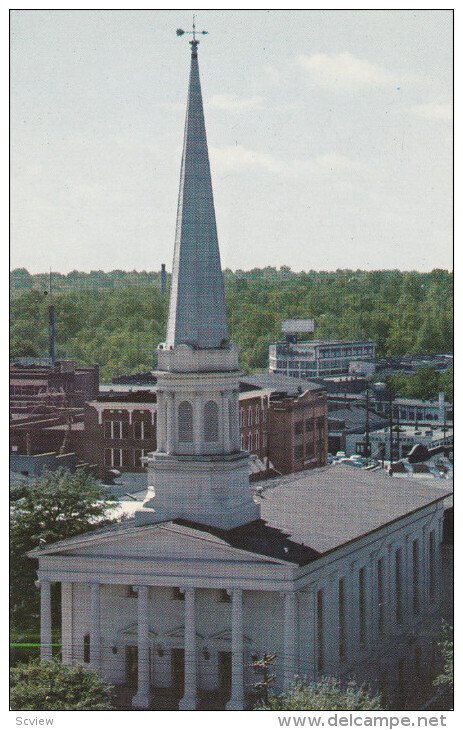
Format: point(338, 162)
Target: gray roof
point(354, 419)
point(309, 514)
point(328, 507)
point(197, 314)
point(280, 383)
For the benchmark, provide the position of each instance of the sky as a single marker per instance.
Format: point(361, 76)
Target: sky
point(330, 137)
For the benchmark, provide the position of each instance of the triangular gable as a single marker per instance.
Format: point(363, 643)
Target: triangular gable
point(226, 635)
point(160, 541)
point(179, 633)
point(132, 630)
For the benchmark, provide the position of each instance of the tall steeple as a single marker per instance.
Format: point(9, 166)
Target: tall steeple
point(198, 471)
point(197, 315)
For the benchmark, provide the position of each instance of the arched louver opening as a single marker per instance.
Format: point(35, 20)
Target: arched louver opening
point(185, 422)
point(211, 421)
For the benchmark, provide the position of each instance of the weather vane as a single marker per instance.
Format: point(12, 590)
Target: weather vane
point(193, 32)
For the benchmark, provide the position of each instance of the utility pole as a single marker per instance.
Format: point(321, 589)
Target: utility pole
point(391, 434)
point(367, 426)
point(51, 327)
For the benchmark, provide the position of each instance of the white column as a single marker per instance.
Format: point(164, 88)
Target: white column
point(95, 628)
point(45, 620)
point(66, 623)
point(188, 701)
point(331, 628)
point(237, 691)
point(235, 429)
point(408, 580)
point(170, 425)
point(198, 426)
point(142, 698)
point(289, 638)
point(226, 423)
point(160, 422)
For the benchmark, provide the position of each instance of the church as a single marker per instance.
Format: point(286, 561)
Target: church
point(335, 571)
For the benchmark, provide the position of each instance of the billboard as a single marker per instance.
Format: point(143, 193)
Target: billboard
point(297, 326)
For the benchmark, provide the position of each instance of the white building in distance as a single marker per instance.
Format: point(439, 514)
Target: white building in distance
point(337, 573)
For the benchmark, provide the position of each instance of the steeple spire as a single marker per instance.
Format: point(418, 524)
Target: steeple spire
point(197, 314)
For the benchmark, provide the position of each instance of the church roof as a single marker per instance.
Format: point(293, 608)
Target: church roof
point(303, 516)
point(197, 314)
point(329, 507)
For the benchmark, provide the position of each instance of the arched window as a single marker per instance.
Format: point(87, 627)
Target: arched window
point(211, 421)
point(185, 422)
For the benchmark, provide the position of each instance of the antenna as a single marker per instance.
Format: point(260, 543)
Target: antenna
point(51, 327)
point(192, 32)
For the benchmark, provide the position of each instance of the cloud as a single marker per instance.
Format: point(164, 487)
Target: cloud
point(235, 104)
point(434, 111)
point(237, 157)
point(343, 71)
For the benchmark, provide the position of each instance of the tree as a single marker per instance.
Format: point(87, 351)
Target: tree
point(51, 685)
point(445, 678)
point(56, 506)
point(326, 694)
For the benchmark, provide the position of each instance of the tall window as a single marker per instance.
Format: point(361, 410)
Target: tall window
point(211, 421)
point(87, 648)
point(113, 429)
point(139, 430)
point(257, 414)
point(257, 440)
point(185, 422)
point(362, 608)
point(242, 442)
point(250, 442)
point(432, 565)
point(398, 586)
point(342, 619)
point(381, 597)
point(416, 576)
point(320, 632)
point(250, 416)
point(241, 417)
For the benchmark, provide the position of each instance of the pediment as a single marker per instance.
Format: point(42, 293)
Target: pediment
point(163, 541)
point(179, 632)
point(132, 630)
point(226, 635)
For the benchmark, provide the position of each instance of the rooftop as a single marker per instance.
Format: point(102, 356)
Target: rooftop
point(307, 515)
point(279, 383)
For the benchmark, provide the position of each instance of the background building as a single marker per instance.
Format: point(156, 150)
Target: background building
point(317, 358)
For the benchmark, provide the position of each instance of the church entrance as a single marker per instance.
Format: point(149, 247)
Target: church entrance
point(178, 671)
point(131, 667)
point(225, 672)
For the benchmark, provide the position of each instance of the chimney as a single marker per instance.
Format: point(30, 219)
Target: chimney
point(163, 280)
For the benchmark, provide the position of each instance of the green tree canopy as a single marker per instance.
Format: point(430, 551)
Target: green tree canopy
point(118, 318)
point(51, 685)
point(56, 506)
point(326, 694)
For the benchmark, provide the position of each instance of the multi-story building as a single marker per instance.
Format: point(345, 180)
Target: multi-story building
point(120, 430)
point(120, 425)
point(405, 437)
point(317, 358)
point(36, 382)
point(284, 422)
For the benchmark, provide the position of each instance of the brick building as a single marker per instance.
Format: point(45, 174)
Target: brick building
point(290, 427)
point(34, 382)
point(120, 429)
point(120, 425)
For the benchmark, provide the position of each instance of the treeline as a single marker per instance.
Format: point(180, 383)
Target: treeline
point(118, 318)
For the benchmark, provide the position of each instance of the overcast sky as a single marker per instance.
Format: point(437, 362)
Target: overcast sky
point(329, 133)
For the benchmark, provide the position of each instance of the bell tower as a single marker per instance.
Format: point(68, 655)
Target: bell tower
point(198, 471)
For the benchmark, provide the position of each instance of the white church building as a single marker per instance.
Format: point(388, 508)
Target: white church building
point(337, 571)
